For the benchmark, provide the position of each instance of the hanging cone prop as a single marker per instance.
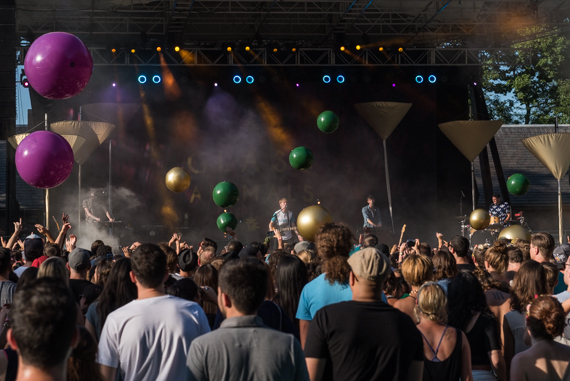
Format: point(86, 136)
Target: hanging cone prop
point(16, 139)
point(118, 114)
point(553, 151)
point(383, 117)
point(75, 141)
point(470, 136)
point(92, 132)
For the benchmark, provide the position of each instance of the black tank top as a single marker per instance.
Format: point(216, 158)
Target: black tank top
point(448, 369)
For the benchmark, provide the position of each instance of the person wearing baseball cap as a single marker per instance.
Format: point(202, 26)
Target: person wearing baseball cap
point(78, 264)
point(365, 320)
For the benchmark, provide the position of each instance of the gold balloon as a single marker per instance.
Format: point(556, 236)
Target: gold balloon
point(479, 219)
point(310, 219)
point(515, 231)
point(177, 179)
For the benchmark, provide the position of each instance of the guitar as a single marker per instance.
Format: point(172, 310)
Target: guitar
point(271, 233)
point(402, 235)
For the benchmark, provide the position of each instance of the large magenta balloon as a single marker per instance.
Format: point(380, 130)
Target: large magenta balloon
point(58, 65)
point(44, 159)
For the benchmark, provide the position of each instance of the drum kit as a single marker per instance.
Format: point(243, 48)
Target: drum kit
point(491, 233)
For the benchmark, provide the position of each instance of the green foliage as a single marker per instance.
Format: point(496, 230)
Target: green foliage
point(528, 84)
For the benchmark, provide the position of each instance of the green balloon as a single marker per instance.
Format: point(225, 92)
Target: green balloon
point(327, 122)
point(225, 194)
point(518, 184)
point(226, 220)
point(301, 158)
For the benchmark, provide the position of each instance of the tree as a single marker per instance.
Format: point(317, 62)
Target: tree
point(528, 83)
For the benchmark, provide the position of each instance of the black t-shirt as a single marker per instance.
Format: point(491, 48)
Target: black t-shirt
point(77, 286)
point(483, 338)
point(364, 341)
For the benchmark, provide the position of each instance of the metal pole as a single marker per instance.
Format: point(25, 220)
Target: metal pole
point(79, 207)
point(47, 190)
point(388, 184)
point(110, 162)
point(559, 214)
point(473, 184)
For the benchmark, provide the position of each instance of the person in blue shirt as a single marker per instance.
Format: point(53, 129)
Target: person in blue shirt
point(371, 215)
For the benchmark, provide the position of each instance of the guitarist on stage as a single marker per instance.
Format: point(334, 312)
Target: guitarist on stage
point(283, 224)
point(371, 215)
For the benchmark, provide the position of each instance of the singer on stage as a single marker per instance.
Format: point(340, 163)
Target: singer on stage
point(371, 215)
point(283, 225)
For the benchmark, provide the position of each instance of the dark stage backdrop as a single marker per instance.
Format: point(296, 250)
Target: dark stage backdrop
point(244, 133)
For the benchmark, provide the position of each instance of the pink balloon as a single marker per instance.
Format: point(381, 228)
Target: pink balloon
point(44, 159)
point(58, 65)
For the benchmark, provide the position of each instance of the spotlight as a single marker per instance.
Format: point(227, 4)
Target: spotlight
point(247, 48)
point(326, 79)
point(294, 50)
point(400, 49)
point(393, 85)
point(249, 79)
point(158, 48)
point(419, 79)
point(357, 47)
point(114, 84)
point(381, 49)
point(156, 78)
point(237, 79)
point(342, 48)
point(275, 50)
point(113, 50)
point(216, 84)
point(25, 83)
point(432, 79)
point(142, 79)
point(229, 49)
point(474, 83)
point(133, 51)
point(297, 84)
point(177, 48)
point(340, 79)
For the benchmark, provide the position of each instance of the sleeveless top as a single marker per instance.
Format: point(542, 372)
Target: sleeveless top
point(448, 369)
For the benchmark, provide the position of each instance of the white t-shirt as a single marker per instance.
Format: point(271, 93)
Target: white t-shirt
point(149, 339)
point(20, 270)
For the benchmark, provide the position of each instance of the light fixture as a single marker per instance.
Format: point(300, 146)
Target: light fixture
point(229, 49)
point(432, 79)
point(358, 47)
point(113, 50)
point(419, 79)
point(326, 78)
point(237, 79)
point(381, 49)
point(340, 79)
point(158, 48)
point(156, 78)
point(400, 49)
point(133, 51)
point(142, 79)
point(247, 48)
point(342, 48)
point(249, 79)
point(177, 48)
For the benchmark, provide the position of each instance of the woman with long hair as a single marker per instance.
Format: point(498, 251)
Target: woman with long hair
point(291, 276)
point(54, 267)
point(497, 262)
point(545, 359)
point(529, 281)
point(118, 291)
point(445, 268)
point(451, 358)
point(468, 311)
point(207, 276)
point(81, 365)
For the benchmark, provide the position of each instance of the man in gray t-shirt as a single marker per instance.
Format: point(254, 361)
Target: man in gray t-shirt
point(7, 287)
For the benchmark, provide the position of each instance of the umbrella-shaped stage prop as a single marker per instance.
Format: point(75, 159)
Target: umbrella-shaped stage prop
point(384, 117)
point(470, 137)
point(552, 150)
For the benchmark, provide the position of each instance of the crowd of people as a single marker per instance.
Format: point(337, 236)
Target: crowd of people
point(334, 309)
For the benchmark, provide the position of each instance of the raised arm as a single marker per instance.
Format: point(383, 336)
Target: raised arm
point(17, 231)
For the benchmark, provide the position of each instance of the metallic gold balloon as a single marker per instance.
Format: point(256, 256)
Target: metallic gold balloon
point(177, 179)
point(479, 219)
point(310, 219)
point(515, 231)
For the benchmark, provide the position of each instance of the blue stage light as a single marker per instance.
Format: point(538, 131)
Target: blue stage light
point(237, 79)
point(432, 79)
point(419, 79)
point(249, 79)
point(340, 79)
point(142, 79)
point(156, 79)
point(326, 79)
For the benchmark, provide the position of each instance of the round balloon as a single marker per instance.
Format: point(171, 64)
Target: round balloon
point(177, 179)
point(479, 219)
point(310, 220)
point(58, 65)
point(301, 158)
point(44, 159)
point(226, 220)
point(518, 184)
point(225, 194)
point(327, 122)
point(515, 231)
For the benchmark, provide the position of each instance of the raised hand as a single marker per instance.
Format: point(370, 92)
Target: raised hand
point(65, 218)
point(18, 226)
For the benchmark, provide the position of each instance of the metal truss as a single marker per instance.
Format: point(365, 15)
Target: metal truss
point(304, 57)
point(471, 24)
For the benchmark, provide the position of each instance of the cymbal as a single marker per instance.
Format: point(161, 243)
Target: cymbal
point(461, 217)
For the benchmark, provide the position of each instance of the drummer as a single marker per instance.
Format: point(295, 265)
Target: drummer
point(500, 210)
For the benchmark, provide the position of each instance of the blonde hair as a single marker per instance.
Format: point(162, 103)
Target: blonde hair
point(417, 269)
point(54, 268)
point(307, 255)
point(431, 303)
point(497, 256)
